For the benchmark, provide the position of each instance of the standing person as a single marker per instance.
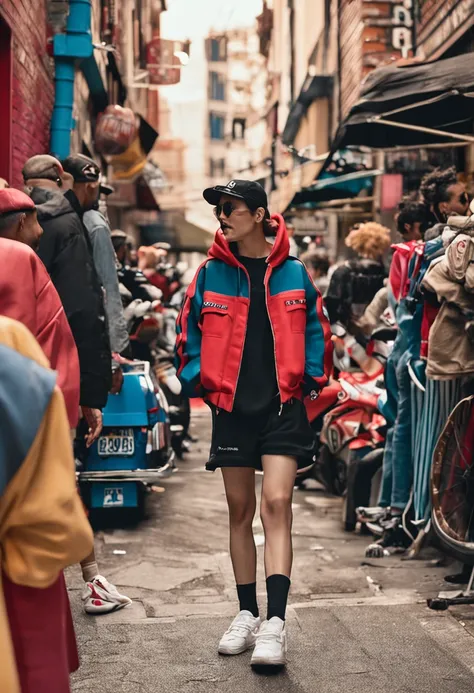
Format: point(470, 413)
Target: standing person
point(43, 527)
point(102, 250)
point(444, 194)
point(66, 253)
point(412, 221)
point(132, 278)
point(354, 284)
point(28, 295)
point(253, 338)
point(317, 263)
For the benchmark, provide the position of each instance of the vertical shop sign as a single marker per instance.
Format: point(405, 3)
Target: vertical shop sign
point(402, 31)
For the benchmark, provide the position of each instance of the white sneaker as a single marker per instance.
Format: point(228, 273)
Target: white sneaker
point(271, 645)
point(241, 634)
point(101, 597)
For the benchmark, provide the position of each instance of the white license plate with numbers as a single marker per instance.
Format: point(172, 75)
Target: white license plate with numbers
point(120, 443)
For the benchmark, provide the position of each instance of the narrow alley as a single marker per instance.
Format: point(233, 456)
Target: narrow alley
point(354, 624)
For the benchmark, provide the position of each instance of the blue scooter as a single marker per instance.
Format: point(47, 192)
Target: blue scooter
point(134, 449)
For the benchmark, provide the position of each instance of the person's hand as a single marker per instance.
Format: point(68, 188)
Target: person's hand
point(94, 421)
point(117, 381)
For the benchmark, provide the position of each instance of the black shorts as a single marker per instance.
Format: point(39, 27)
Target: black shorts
point(240, 441)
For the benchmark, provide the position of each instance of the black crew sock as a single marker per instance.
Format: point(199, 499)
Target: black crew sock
point(248, 598)
point(278, 587)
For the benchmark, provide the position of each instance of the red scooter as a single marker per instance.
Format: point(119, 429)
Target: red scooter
point(349, 428)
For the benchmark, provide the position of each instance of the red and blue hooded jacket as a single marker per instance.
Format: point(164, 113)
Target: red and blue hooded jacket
point(212, 325)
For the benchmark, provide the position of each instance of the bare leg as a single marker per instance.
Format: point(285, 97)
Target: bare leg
point(279, 473)
point(239, 485)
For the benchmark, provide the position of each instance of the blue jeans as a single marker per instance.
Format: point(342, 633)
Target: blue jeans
point(402, 456)
point(387, 472)
point(398, 459)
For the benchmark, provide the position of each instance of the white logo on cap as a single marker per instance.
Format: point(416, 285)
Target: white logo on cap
point(231, 184)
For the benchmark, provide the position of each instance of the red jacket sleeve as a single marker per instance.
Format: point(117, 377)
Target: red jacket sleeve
point(28, 295)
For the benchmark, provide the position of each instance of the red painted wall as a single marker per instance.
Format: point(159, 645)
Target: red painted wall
point(32, 94)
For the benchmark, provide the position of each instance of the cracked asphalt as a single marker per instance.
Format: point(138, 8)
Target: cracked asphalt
point(353, 624)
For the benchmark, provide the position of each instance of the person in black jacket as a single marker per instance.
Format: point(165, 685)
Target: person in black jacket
point(65, 250)
point(354, 284)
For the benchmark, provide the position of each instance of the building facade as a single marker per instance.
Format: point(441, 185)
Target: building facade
point(26, 84)
point(444, 29)
point(236, 99)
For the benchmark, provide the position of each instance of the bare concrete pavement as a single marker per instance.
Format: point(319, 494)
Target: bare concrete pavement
point(353, 624)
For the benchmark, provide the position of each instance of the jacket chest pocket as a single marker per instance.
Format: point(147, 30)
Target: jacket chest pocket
point(296, 309)
point(215, 319)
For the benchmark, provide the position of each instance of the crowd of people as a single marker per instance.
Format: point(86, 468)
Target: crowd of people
point(430, 369)
point(64, 335)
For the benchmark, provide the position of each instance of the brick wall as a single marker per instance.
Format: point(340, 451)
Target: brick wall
point(371, 36)
point(32, 86)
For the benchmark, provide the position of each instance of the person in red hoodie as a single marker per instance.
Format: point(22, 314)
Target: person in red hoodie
point(253, 338)
point(38, 616)
point(27, 293)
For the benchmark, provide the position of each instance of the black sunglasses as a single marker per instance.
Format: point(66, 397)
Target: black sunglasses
point(464, 198)
point(226, 207)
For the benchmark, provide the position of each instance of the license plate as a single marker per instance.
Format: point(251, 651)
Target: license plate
point(113, 497)
point(120, 444)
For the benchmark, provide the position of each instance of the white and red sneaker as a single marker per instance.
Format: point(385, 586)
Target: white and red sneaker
point(101, 597)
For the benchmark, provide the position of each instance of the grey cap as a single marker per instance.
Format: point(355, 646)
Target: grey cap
point(42, 166)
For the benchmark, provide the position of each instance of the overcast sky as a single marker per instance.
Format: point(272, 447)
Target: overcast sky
point(187, 101)
point(194, 19)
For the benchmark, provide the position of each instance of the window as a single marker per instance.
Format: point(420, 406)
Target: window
point(238, 129)
point(217, 168)
point(217, 86)
point(216, 126)
point(217, 49)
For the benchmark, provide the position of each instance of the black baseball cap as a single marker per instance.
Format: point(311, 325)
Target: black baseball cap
point(82, 168)
point(251, 192)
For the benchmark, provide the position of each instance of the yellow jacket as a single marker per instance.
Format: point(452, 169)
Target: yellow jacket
point(43, 526)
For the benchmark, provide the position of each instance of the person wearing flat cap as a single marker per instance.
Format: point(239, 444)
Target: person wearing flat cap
point(66, 252)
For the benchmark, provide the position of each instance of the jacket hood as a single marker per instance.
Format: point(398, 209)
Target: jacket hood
point(50, 204)
point(222, 250)
point(405, 248)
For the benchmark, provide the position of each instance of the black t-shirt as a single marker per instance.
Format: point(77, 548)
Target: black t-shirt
point(257, 385)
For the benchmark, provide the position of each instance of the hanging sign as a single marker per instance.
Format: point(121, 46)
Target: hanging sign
point(163, 66)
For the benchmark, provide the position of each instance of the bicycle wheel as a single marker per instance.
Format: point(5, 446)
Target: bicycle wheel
point(452, 483)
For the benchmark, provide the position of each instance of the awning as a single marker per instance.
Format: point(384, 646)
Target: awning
point(416, 104)
point(318, 87)
point(331, 187)
point(181, 234)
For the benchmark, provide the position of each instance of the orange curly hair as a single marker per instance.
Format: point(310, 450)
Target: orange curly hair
point(370, 240)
